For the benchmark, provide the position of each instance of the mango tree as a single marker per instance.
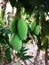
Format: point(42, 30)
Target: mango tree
point(20, 29)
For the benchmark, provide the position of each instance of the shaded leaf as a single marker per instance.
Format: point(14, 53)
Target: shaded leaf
point(8, 54)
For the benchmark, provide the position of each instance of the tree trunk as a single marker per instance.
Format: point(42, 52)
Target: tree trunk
point(46, 57)
point(35, 59)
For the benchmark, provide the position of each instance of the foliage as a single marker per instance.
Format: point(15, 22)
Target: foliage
point(21, 28)
point(30, 5)
point(22, 54)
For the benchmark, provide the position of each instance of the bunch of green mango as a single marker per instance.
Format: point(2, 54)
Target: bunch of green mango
point(35, 28)
point(19, 32)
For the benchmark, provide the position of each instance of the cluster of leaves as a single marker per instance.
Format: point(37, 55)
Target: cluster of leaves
point(40, 6)
point(4, 40)
point(22, 54)
point(30, 5)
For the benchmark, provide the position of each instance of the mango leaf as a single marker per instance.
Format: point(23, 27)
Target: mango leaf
point(1, 28)
point(0, 58)
point(8, 54)
point(6, 37)
point(45, 45)
point(2, 40)
point(22, 54)
point(26, 57)
point(39, 43)
point(0, 55)
point(3, 12)
point(23, 49)
point(7, 31)
point(46, 28)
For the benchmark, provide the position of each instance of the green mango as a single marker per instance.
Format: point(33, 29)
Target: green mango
point(16, 42)
point(37, 30)
point(22, 29)
point(33, 25)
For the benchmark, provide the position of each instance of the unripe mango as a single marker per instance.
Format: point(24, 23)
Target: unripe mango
point(22, 28)
point(37, 30)
point(16, 42)
point(33, 25)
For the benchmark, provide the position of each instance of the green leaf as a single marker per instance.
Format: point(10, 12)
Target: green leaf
point(0, 55)
point(39, 43)
point(26, 57)
point(8, 54)
point(46, 28)
point(1, 22)
point(6, 37)
point(2, 40)
point(0, 58)
point(1, 28)
point(3, 12)
point(45, 45)
point(17, 63)
point(22, 54)
point(48, 57)
point(23, 49)
point(7, 31)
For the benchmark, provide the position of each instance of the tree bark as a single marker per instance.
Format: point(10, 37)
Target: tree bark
point(35, 59)
point(46, 57)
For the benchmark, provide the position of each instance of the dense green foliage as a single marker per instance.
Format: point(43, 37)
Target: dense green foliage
point(19, 29)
